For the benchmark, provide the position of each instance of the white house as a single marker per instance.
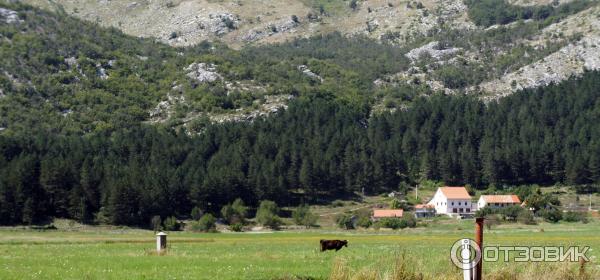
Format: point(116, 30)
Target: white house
point(452, 201)
point(498, 201)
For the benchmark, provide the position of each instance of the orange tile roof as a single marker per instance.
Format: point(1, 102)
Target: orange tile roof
point(388, 213)
point(455, 192)
point(421, 206)
point(501, 198)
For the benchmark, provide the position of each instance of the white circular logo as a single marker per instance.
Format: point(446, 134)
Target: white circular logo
point(465, 253)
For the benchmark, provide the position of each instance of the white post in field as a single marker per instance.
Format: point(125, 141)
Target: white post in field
point(161, 241)
point(417, 192)
point(465, 254)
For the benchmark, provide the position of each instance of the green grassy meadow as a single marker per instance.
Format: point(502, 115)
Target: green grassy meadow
point(112, 253)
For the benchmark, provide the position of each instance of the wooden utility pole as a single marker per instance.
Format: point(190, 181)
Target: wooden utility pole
point(479, 240)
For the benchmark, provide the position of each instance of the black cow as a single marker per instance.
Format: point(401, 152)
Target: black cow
point(333, 244)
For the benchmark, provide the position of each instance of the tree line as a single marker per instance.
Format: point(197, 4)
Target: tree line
point(319, 149)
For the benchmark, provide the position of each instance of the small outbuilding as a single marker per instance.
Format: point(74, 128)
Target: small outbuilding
point(387, 213)
point(498, 201)
point(424, 211)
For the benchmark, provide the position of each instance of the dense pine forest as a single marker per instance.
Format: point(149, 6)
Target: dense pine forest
point(320, 148)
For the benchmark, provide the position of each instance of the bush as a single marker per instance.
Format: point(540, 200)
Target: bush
point(397, 204)
point(411, 221)
point(393, 223)
point(551, 214)
point(197, 213)
point(238, 227)
point(572, 217)
point(491, 221)
point(526, 217)
point(171, 224)
point(511, 212)
point(304, 217)
point(267, 214)
point(398, 223)
point(345, 221)
point(364, 222)
point(338, 203)
point(235, 213)
point(156, 223)
point(206, 224)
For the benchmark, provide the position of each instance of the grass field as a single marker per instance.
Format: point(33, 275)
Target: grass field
point(111, 253)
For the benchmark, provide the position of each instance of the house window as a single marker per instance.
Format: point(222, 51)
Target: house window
point(460, 210)
point(452, 203)
point(454, 210)
point(459, 203)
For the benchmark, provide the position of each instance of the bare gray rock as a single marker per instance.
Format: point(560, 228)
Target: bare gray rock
point(220, 24)
point(270, 29)
point(304, 69)
point(432, 49)
point(9, 16)
point(202, 72)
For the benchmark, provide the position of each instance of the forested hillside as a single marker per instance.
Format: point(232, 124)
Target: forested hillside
point(103, 127)
point(320, 148)
point(67, 76)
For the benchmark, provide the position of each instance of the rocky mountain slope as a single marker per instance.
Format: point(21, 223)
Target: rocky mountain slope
point(239, 22)
point(550, 53)
point(261, 54)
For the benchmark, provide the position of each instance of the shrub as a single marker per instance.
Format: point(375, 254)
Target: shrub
point(393, 223)
point(196, 213)
point(345, 221)
point(411, 221)
point(364, 222)
point(398, 223)
point(571, 216)
point(338, 203)
point(171, 224)
point(526, 217)
point(551, 214)
point(173, 35)
point(156, 223)
point(235, 212)
point(267, 214)
point(206, 224)
point(295, 19)
point(237, 227)
point(304, 217)
point(491, 221)
point(397, 204)
point(511, 213)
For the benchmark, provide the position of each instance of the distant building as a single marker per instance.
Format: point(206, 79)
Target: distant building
point(387, 213)
point(424, 211)
point(452, 201)
point(498, 201)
